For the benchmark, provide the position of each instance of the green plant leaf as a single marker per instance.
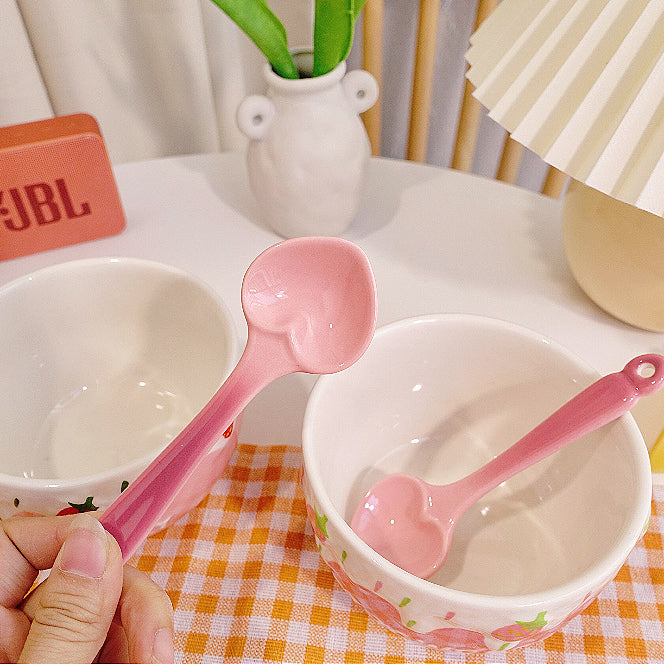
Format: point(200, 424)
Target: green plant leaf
point(334, 26)
point(260, 24)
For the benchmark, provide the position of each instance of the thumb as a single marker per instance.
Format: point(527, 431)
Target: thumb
point(79, 598)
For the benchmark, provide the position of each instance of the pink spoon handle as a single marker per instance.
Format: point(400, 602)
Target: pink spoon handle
point(132, 515)
point(601, 403)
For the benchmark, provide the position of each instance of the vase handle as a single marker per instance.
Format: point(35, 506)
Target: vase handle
point(254, 116)
point(361, 88)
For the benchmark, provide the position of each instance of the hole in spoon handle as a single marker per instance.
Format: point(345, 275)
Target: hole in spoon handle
point(646, 372)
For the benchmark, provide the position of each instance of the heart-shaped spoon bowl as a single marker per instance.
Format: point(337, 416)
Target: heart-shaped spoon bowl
point(411, 522)
point(437, 397)
point(310, 305)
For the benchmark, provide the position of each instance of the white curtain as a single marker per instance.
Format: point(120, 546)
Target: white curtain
point(160, 76)
point(164, 77)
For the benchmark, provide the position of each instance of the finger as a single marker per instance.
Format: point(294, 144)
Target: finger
point(146, 615)
point(143, 610)
point(116, 648)
point(77, 602)
point(14, 626)
point(27, 544)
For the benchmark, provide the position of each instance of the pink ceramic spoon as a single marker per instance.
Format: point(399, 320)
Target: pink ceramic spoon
point(310, 305)
point(410, 522)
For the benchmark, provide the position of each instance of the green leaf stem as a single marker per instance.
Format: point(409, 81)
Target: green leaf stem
point(334, 25)
point(260, 24)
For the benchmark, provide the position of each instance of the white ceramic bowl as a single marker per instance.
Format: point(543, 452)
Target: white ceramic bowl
point(437, 397)
point(102, 363)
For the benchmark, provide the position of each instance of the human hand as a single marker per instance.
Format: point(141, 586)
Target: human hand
point(89, 609)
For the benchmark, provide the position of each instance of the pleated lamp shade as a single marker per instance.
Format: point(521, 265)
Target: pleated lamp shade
point(581, 84)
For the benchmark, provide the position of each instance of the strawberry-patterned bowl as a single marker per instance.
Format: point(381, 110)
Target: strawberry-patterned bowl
point(437, 397)
point(103, 362)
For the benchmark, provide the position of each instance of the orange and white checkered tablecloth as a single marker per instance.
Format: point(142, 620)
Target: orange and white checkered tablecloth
point(248, 586)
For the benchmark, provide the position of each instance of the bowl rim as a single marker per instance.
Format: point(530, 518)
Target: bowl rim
point(134, 467)
point(600, 572)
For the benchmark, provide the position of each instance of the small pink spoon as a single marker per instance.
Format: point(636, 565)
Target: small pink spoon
point(411, 522)
point(310, 305)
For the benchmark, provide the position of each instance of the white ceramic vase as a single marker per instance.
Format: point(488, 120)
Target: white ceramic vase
point(616, 253)
point(308, 151)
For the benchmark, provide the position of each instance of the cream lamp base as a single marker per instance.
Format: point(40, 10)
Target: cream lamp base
point(616, 253)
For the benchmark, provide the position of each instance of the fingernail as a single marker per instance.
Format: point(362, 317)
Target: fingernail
point(163, 651)
point(86, 548)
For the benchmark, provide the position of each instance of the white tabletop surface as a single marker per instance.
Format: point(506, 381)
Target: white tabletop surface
point(438, 240)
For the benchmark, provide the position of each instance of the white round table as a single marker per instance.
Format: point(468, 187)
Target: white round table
point(439, 241)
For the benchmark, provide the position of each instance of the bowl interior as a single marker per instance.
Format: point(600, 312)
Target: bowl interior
point(104, 362)
point(441, 396)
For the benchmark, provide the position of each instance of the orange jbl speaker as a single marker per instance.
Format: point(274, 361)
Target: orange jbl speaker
point(56, 186)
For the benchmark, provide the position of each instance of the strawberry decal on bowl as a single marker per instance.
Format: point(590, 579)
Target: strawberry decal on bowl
point(447, 637)
point(75, 508)
point(454, 638)
point(520, 629)
point(318, 523)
